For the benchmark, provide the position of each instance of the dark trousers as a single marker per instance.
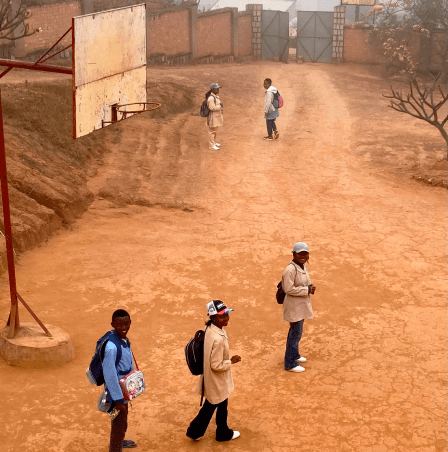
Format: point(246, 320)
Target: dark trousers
point(119, 425)
point(270, 125)
point(200, 423)
point(292, 344)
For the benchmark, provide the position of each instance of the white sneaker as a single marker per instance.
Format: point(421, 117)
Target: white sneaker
point(197, 439)
point(216, 148)
point(235, 434)
point(217, 144)
point(297, 369)
point(302, 359)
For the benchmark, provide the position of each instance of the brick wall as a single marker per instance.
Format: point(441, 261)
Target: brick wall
point(357, 48)
point(54, 19)
point(103, 5)
point(169, 33)
point(214, 33)
point(178, 32)
point(244, 34)
point(439, 43)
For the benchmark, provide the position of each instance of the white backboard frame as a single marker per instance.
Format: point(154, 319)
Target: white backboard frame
point(109, 65)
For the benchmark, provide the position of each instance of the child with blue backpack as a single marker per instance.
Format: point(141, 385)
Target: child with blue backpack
point(112, 361)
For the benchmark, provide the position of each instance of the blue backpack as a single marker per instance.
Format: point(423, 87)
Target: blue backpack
point(95, 371)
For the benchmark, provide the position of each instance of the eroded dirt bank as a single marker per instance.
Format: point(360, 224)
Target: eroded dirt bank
point(173, 225)
point(47, 169)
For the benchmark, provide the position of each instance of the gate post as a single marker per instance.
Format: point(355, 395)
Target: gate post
point(338, 34)
point(256, 28)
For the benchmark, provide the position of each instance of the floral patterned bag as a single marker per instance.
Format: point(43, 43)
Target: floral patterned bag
point(133, 384)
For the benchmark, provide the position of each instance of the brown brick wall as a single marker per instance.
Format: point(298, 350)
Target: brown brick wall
point(244, 35)
point(214, 34)
point(169, 33)
point(439, 43)
point(357, 48)
point(103, 5)
point(55, 20)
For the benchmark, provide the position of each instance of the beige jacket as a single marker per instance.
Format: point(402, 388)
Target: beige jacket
point(215, 118)
point(297, 303)
point(217, 367)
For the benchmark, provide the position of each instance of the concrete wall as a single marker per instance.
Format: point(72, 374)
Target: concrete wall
point(214, 33)
point(244, 34)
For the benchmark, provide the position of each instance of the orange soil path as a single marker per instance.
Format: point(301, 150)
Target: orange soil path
point(174, 225)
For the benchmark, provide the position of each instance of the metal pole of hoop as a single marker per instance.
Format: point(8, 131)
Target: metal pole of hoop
point(14, 315)
point(13, 320)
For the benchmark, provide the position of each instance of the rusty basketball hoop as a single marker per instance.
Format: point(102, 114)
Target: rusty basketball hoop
point(122, 109)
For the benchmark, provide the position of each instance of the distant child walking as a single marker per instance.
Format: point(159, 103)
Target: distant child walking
point(217, 380)
point(215, 119)
point(270, 111)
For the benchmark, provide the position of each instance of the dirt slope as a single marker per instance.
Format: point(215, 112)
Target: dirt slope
point(173, 225)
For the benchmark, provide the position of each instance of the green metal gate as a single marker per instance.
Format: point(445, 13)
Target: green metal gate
point(315, 36)
point(274, 35)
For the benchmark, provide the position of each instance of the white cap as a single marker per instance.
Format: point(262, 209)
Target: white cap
point(217, 307)
point(300, 246)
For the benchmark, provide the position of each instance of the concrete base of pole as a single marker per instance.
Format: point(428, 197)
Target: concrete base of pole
point(30, 347)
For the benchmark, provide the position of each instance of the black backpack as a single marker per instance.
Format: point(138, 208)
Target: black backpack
point(280, 294)
point(205, 111)
point(194, 353)
point(95, 371)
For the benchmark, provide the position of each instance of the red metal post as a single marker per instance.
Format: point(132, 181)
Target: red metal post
point(36, 67)
point(14, 316)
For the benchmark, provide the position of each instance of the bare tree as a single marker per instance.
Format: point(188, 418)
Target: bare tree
point(13, 16)
point(402, 23)
point(423, 102)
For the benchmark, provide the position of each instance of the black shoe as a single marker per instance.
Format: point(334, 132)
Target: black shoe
point(269, 137)
point(276, 134)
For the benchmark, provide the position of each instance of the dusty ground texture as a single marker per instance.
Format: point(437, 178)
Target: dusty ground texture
point(173, 225)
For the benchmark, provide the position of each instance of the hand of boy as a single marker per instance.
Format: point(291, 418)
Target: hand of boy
point(235, 359)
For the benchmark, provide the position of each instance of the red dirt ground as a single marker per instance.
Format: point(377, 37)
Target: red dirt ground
point(173, 225)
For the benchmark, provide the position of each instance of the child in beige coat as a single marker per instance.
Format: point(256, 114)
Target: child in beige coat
point(215, 119)
point(217, 379)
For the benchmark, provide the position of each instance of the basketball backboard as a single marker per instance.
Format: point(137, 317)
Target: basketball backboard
point(109, 65)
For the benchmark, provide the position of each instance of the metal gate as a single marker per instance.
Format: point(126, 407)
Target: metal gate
point(274, 35)
point(315, 36)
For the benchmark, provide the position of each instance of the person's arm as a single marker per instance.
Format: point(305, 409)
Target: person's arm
point(110, 373)
point(213, 104)
point(288, 283)
point(268, 107)
point(217, 361)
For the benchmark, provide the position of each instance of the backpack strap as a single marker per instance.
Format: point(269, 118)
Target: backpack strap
point(291, 263)
point(203, 376)
point(117, 342)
